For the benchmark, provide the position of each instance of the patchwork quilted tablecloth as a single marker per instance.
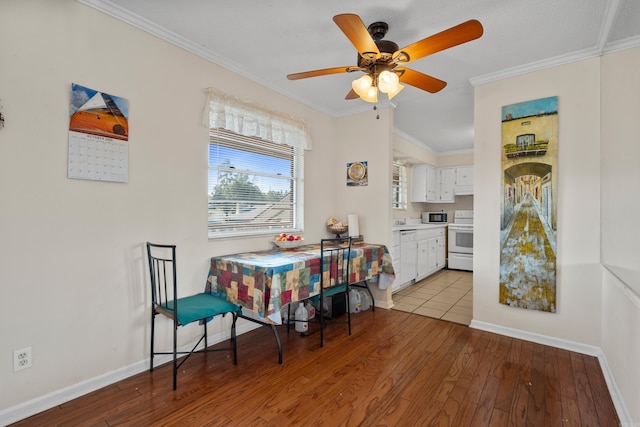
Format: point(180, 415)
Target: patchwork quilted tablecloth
point(264, 281)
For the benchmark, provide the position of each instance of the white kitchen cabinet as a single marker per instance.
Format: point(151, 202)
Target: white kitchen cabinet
point(464, 180)
point(408, 259)
point(445, 184)
point(441, 251)
point(423, 183)
point(420, 253)
point(395, 259)
point(432, 255)
point(423, 267)
point(440, 185)
point(436, 251)
point(430, 251)
point(431, 184)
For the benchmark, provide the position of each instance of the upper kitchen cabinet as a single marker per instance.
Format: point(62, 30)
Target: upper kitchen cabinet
point(445, 183)
point(464, 181)
point(440, 185)
point(423, 183)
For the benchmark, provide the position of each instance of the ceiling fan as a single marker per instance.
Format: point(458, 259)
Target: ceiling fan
point(384, 63)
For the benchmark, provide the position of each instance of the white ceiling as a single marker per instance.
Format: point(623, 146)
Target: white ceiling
point(266, 40)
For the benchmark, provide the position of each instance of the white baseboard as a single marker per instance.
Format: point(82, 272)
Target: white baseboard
point(537, 338)
point(384, 304)
point(58, 397)
point(614, 391)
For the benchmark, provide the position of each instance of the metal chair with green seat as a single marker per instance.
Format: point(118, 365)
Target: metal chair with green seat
point(335, 263)
point(183, 310)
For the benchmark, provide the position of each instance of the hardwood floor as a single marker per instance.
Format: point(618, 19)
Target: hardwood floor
point(397, 369)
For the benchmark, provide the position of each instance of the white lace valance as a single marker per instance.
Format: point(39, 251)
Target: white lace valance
point(245, 118)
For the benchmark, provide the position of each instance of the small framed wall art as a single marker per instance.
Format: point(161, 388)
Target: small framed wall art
point(357, 174)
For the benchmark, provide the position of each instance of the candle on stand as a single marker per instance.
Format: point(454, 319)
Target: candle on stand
point(354, 229)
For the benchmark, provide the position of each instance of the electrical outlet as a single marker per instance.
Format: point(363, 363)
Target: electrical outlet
point(22, 359)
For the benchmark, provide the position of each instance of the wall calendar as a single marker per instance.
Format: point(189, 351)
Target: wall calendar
point(98, 136)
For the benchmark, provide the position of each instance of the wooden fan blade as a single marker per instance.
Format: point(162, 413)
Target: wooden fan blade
point(421, 81)
point(352, 95)
point(355, 30)
point(454, 36)
point(323, 72)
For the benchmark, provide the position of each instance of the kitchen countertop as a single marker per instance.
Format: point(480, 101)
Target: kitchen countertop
point(419, 226)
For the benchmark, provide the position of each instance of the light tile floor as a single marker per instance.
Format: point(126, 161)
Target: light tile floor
point(445, 295)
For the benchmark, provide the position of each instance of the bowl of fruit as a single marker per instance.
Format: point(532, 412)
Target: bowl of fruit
point(337, 227)
point(288, 241)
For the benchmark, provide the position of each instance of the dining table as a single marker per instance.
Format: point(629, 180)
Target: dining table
point(265, 281)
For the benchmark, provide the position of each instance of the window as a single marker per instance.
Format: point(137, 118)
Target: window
point(255, 186)
point(399, 186)
point(256, 168)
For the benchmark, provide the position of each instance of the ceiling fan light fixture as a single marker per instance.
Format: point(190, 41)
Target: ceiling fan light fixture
point(362, 85)
point(384, 63)
point(397, 90)
point(388, 82)
point(371, 95)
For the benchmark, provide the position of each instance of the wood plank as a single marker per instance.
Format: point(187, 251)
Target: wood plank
point(570, 412)
point(604, 406)
point(499, 418)
point(565, 372)
point(520, 400)
point(553, 397)
point(396, 369)
point(588, 414)
point(536, 406)
point(485, 407)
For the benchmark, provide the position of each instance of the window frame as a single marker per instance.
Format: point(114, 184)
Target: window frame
point(399, 190)
point(253, 145)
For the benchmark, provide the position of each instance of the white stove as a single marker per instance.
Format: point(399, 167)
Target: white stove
point(460, 241)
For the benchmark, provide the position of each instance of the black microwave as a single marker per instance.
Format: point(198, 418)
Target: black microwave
point(431, 217)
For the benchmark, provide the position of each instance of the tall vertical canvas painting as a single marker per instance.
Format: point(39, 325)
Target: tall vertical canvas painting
point(529, 199)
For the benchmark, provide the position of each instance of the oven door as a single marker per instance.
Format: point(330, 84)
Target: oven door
point(460, 239)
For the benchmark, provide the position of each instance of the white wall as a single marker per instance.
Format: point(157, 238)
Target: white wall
point(620, 172)
point(72, 266)
point(363, 137)
point(578, 314)
point(594, 311)
point(620, 151)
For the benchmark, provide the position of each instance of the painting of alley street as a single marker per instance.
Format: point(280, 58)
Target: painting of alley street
point(529, 198)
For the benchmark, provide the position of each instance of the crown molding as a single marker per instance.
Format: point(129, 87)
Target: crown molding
point(602, 47)
point(535, 66)
point(414, 141)
point(145, 25)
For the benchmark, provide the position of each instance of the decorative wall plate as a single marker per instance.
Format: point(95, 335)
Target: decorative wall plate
point(357, 171)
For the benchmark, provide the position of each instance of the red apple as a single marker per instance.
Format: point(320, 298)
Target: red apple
point(290, 238)
point(297, 238)
point(283, 235)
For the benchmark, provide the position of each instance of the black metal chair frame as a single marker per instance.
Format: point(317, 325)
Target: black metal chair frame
point(336, 252)
point(164, 301)
point(335, 243)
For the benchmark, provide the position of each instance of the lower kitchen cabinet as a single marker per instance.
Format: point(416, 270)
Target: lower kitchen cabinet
point(420, 253)
point(431, 252)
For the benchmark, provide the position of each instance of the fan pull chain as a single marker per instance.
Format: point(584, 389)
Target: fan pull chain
point(375, 107)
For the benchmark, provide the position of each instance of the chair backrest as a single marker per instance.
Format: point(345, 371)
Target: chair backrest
point(163, 274)
point(335, 259)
